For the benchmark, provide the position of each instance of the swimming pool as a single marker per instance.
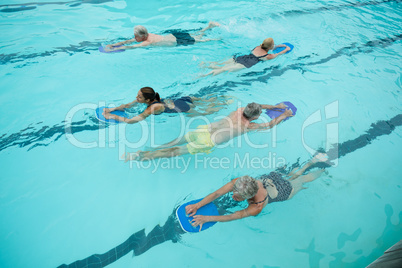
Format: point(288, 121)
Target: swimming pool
point(63, 201)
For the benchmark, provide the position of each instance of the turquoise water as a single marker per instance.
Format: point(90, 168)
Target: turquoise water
point(61, 202)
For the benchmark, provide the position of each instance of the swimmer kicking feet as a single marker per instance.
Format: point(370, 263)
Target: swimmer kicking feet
point(266, 189)
point(259, 53)
point(206, 137)
point(175, 38)
point(190, 105)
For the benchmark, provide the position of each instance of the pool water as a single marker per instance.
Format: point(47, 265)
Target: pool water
point(66, 194)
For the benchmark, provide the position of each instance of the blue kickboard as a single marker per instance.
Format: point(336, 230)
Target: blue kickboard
point(279, 49)
point(277, 112)
point(102, 49)
point(207, 210)
point(100, 116)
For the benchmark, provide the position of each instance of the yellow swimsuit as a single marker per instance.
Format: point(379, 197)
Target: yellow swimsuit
point(199, 140)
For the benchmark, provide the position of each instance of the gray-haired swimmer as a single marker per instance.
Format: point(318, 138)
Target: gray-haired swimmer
point(206, 137)
point(259, 192)
point(175, 38)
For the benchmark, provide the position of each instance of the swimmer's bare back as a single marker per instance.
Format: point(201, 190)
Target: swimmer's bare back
point(161, 40)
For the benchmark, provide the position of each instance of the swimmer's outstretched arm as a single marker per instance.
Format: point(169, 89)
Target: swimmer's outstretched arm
point(129, 41)
point(273, 56)
point(113, 47)
point(271, 107)
point(251, 210)
point(135, 119)
point(142, 44)
point(228, 187)
point(281, 45)
point(272, 123)
point(132, 120)
point(121, 107)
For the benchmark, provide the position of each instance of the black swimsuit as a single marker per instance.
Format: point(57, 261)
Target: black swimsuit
point(283, 186)
point(249, 60)
point(183, 38)
point(181, 105)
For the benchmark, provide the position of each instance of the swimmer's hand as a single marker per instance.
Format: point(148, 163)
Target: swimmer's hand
point(280, 106)
point(199, 220)
point(287, 49)
point(191, 209)
point(108, 110)
point(108, 48)
point(109, 116)
point(288, 113)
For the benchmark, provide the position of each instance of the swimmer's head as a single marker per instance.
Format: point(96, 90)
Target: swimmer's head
point(244, 188)
point(147, 95)
point(252, 111)
point(140, 33)
point(268, 44)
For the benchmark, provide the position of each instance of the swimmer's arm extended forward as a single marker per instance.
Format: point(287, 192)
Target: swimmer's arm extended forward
point(192, 209)
point(252, 210)
point(121, 107)
point(112, 46)
point(273, 56)
point(271, 107)
point(150, 110)
point(142, 44)
point(132, 120)
point(272, 123)
point(119, 47)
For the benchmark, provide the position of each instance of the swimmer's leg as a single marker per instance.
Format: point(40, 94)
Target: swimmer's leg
point(162, 153)
point(178, 141)
point(321, 157)
point(216, 64)
point(297, 184)
point(291, 173)
point(211, 24)
point(232, 67)
point(198, 39)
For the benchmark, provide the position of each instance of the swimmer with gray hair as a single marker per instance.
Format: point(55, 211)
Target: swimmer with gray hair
point(206, 137)
point(174, 38)
point(268, 188)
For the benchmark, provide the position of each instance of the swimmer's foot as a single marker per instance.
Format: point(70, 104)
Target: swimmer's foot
point(208, 65)
point(320, 157)
point(203, 75)
point(229, 101)
point(137, 156)
point(213, 24)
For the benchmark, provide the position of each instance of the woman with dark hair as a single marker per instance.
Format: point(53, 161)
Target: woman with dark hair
point(156, 105)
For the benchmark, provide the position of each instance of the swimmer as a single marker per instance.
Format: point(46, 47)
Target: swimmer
point(156, 106)
point(259, 192)
point(175, 38)
point(259, 53)
point(206, 137)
